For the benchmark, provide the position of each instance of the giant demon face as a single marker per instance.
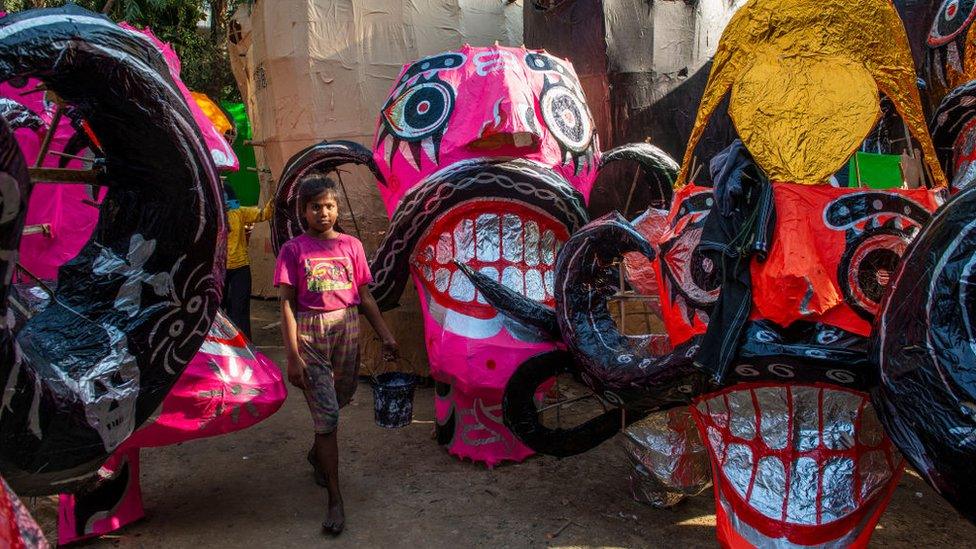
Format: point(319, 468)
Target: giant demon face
point(487, 156)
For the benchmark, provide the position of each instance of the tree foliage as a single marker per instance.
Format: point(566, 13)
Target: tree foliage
point(203, 53)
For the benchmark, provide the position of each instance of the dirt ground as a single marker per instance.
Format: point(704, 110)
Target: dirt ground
point(254, 489)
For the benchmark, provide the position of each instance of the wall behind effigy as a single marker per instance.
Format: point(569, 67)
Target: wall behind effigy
point(643, 66)
point(310, 70)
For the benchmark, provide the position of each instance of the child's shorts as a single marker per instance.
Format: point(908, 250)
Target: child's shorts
point(329, 344)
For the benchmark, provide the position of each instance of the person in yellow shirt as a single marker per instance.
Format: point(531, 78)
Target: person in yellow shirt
point(237, 281)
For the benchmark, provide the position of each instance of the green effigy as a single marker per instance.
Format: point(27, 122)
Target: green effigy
point(245, 181)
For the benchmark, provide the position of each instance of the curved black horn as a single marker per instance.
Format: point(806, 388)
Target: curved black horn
point(527, 311)
point(135, 305)
point(522, 417)
point(324, 157)
point(660, 170)
point(620, 368)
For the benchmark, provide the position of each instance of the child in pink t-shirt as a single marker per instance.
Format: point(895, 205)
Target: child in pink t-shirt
point(322, 277)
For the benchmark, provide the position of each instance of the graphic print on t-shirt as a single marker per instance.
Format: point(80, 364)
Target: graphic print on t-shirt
point(328, 274)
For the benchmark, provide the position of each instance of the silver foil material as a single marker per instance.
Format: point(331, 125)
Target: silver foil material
point(670, 462)
point(813, 482)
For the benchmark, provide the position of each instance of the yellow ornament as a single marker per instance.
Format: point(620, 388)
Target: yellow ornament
point(805, 77)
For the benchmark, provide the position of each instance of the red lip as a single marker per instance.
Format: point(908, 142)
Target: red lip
point(513, 242)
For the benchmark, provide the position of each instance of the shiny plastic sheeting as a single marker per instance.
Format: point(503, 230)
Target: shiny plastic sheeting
point(805, 133)
point(924, 346)
point(133, 307)
point(228, 386)
point(670, 462)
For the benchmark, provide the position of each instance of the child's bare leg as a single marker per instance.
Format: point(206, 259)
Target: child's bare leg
point(327, 453)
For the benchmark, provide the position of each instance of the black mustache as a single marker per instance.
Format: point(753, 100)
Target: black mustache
point(521, 180)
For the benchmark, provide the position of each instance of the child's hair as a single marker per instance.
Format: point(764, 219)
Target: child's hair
point(314, 185)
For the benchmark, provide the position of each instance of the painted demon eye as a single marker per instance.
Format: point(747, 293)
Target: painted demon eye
point(953, 18)
point(420, 112)
point(567, 118)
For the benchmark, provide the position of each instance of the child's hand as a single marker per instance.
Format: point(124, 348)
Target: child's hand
point(391, 351)
point(297, 372)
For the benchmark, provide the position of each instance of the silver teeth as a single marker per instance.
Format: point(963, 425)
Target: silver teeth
point(461, 287)
point(442, 279)
point(743, 421)
point(491, 273)
point(443, 252)
point(512, 238)
point(487, 233)
point(464, 241)
point(838, 489)
point(767, 490)
point(547, 279)
point(806, 420)
point(804, 483)
point(512, 279)
point(548, 247)
point(534, 287)
point(839, 412)
point(738, 467)
point(774, 424)
point(874, 471)
point(531, 243)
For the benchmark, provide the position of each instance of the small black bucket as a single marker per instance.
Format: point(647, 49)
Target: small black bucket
point(393, 399)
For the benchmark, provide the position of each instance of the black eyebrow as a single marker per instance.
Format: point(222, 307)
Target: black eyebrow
point(440, 62)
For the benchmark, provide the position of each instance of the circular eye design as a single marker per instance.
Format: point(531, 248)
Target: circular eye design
point(866, 269)
point(420, 112)
point(953, 18)
point(567, 118)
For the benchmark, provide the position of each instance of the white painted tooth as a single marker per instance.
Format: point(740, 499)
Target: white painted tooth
point(743, 418)
point(547, 279)
point(548, 246)
point(837, 498)
point(512, 279)
point(428, 146)
point(801, 508)
point(767, 491)
point(488, 235)
point(428, 273)
point(442, 279)
point(738, 467)
point(428, 254)
point(531, 243)
point(464, 241)
point(388, 150)
point(512, 238)
point(461, 287)
point(444, 252)
point(491, 273)
point(534, 287)
point(408, 154)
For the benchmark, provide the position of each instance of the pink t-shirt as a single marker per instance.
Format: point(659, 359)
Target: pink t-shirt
point(326, 274)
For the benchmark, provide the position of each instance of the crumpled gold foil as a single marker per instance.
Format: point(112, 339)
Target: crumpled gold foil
point(805, 77)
